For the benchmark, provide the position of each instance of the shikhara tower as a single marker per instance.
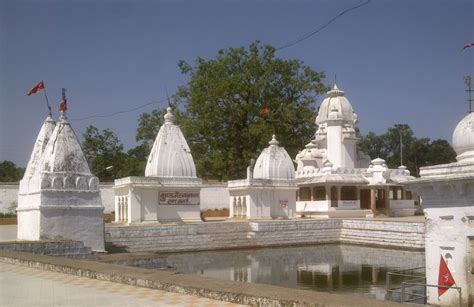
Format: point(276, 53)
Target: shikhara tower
point(170, 189)
point(59, 197)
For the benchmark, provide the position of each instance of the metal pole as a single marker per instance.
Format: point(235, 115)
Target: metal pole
point(403, 292)
point(46, 96)
point(467, 81)
point(388, 295)
point(401, 146)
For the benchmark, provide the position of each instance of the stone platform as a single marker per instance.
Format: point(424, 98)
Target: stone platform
point(244, 234)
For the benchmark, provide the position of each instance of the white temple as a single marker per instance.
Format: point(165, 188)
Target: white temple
point(269, 190)
point(59, 197)
point(447, 191)
point(169, 192)
point(337, 180)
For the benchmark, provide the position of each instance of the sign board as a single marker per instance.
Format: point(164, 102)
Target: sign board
point(179, 198)
point(284, 203)
point(348, 204)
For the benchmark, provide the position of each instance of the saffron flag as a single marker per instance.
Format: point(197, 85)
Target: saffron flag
point(265, 111)
point(444, 278)
point(468, 45)
point(38, 87)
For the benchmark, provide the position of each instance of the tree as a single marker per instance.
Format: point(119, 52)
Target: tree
point(9, 172)
point(416, 152)
point(104, 152)
point(223, 102)
point(148, 126)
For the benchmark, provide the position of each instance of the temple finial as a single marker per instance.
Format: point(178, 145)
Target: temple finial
point(169, 117)
point(63, 104)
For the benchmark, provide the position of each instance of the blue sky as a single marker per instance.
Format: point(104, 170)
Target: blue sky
point(398, 61)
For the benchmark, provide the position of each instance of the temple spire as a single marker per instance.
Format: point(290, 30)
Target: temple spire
point(63, 104)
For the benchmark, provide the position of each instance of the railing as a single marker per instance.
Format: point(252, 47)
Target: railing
point(414, 282)
point(410, 276)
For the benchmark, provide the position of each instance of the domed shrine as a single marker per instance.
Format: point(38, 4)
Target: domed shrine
point(170, 189)
point(335, 179)
point(447, 192)
point(59, 197)
point(269, 189)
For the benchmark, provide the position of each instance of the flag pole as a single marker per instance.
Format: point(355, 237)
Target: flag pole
point(46, 96)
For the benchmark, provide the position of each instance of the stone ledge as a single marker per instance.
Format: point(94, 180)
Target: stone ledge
point(223, 290)
point(226, 235)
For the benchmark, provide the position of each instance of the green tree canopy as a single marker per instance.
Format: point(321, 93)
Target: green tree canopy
point(222, 108)
point(9, 172)
point(104, 152)
point(417, 152)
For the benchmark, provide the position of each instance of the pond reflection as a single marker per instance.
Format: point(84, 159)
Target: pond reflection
point(334, 268)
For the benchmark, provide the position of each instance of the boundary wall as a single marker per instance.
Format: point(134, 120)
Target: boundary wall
point(213, 196)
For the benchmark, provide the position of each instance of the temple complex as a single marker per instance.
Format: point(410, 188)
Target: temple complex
point(169, 191)
point(335, 179)
point(269, 189)
point(447, 191)
point(59, 197)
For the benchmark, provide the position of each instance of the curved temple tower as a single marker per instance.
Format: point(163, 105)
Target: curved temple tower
point(59, 197)
point(169, 192)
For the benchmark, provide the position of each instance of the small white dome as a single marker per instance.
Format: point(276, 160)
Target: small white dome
point(170, 155)
point(463, 139)
point(336, 107)
point(274, 163)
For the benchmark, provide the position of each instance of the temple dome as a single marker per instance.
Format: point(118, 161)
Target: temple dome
point(40, 145)
point(274, 163)
point(336, 107)
point(170, 155)
point(63, 154)
point(463, 139)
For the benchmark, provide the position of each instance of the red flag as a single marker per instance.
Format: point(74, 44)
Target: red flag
point(38, 87)
point(444, 278)
point(468, 45)
point(265, 111)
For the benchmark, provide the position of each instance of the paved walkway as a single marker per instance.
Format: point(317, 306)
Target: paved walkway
point(23, 286)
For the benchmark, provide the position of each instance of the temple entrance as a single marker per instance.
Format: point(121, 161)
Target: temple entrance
point(380, 198)
point(365, 199)
point(334, 197)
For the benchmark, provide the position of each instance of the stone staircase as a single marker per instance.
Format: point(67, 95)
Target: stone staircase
point(232, 235)
point(62, 248)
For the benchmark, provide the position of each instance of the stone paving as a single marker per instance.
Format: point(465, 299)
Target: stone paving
point(24, 286)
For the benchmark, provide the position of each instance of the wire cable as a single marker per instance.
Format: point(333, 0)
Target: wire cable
point(120, 112)
point(308, 35)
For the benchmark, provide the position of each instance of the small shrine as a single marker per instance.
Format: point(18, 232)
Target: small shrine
point(270, 188)
point(447, 192)
point(335, 179)
point(59, 197)
point(170, 189)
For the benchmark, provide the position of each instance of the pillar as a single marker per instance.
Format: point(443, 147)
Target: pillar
point(372, 199)
point(117, 208)
point(387, 198)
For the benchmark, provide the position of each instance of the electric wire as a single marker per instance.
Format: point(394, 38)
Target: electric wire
point(289, 44)
point(120, 112)
point(316, 31)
